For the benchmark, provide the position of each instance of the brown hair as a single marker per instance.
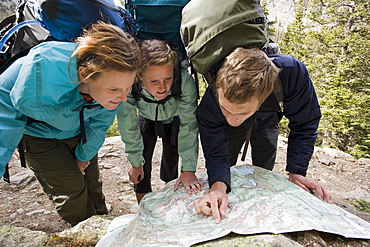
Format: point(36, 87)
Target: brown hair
point(156, 52)
point(245, 73)
point(104, 47)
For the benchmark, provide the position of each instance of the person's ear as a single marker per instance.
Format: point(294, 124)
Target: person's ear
point(82, 74)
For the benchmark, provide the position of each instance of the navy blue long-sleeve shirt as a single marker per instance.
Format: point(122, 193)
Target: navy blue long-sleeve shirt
point(300, 106)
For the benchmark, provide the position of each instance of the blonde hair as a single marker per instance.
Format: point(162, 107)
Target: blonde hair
point(245, 73)
point(104, 47)
point(156, 52)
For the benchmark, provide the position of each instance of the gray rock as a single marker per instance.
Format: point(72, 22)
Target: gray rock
point(266, 240)
point(22, 179)
point(21, 237)
point(364, 161)
point(88, 231)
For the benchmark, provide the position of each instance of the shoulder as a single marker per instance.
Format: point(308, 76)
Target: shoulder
point(208, 100)
point(50, 56)
point(284, 61)
point(187, 82)
point(46, 49)
point(186, 76)
point(49, 62)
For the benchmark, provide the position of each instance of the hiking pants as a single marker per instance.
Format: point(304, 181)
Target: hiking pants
point(75, 197)
point(170, 156)
point(263, 139)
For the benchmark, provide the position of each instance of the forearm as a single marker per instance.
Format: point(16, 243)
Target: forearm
point(130, 131)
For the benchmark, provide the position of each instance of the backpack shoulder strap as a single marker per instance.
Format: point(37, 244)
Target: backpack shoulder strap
point(135, 91)
point(175, 90)
point(10, 20)
point(278, 90)
point(176, 85)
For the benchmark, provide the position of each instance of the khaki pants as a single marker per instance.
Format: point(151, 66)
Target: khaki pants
point(75, 197)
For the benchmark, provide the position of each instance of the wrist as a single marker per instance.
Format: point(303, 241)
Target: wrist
point(187, 172)
point(219, 186)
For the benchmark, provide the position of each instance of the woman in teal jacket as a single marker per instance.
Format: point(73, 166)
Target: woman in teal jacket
point(61, 98)
point(161, 109)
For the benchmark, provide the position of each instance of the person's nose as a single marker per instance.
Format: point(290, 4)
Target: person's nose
point(162, 85)
point(123, 95)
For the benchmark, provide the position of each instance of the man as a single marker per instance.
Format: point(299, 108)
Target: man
point(243, 98)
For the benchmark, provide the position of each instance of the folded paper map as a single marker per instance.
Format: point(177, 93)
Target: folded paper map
point(260, 201)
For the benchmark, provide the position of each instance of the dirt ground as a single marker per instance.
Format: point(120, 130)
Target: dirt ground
point(29, 207)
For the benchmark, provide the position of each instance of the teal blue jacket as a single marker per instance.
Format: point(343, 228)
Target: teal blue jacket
point(44, 86)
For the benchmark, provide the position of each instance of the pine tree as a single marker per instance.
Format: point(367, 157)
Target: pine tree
point(335, 46)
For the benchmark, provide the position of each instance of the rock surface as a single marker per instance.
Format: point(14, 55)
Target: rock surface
point(27, 218)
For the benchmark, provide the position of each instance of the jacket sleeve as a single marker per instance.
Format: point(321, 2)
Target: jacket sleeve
point(188, 143)
point(12, 121)
point(213, 136)
point(130, 132)
point(12, 124)
point(302, 109)
point(95, 129)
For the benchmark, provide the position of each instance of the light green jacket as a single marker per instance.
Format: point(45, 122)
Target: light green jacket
point(184, 108)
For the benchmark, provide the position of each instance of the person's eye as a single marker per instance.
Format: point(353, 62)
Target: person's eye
point(113, 89)
point(168, 78)
point(154, 82)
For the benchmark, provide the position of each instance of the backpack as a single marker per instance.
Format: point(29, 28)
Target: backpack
point(36, 21)
point(60, 20)
point(21, 30)
point(209, 36)
point(160, 19)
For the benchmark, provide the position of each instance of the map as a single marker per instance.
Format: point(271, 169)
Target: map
point(260, 201)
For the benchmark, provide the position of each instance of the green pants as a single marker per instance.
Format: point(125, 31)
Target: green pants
point(75, 197)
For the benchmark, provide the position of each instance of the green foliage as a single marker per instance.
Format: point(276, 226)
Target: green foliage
point(7, 7)
point(113, 129)
point(332, 38)
point(361, 205)
point(202, 85)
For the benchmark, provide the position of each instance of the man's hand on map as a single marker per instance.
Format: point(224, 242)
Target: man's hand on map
point(310, 186)
point(214, 202)
point(189, 181)
point(136, 174)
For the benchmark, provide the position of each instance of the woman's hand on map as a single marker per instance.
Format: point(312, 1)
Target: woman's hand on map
point(189, 181)
point(214, 202)
point(136, 174)
point(310, 186)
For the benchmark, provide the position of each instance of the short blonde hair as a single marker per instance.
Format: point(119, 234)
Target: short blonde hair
point(245, 73)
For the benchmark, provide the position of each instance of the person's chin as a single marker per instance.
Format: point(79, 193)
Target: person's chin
point(235, 124)
point(161, 96)
point(111, 106)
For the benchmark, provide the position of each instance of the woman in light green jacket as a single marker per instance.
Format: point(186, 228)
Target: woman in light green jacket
point(160, 105)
